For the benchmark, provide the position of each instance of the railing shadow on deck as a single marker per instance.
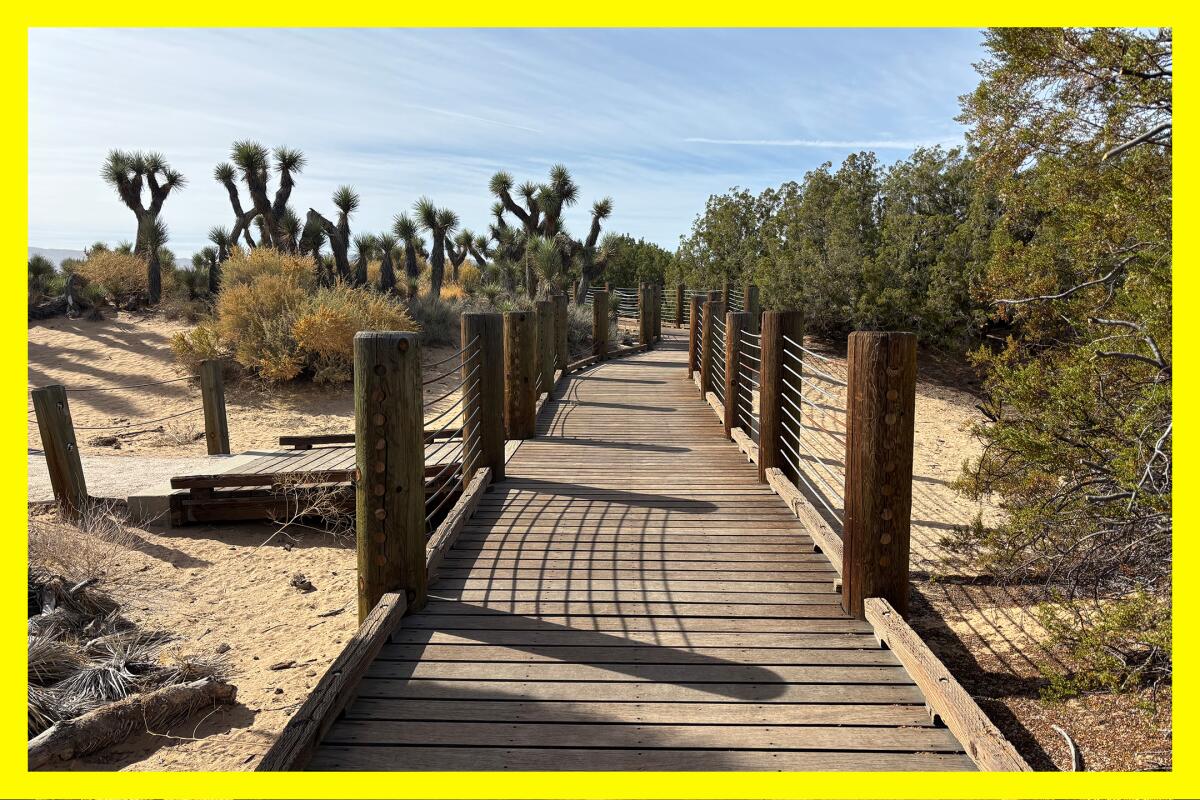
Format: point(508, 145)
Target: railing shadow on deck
point(615, 445)
point(620, 496)
point(749, 682)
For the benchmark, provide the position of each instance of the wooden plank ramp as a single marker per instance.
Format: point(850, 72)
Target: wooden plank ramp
point(631, 598)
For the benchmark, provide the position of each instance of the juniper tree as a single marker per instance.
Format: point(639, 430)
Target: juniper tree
point(135, 174)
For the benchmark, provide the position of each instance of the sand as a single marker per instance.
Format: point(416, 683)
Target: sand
point(216, 585)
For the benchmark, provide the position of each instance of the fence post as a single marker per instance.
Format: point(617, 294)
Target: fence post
point(520, 334)
point(390, 453)
point(735, 323)
point(713, 310)
point(753, 307)
point(880, 401)
point(771, 388)
point(679, 290)
point(645, 315)
point(600, 324)
point(212, 395)
point(61, 450)
point(562, 352)
point(657, 291)
point(545, 345)
point(695, 303)
point(725, 292)
point(483, 396)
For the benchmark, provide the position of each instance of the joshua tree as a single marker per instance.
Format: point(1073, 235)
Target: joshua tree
point(406, 231)
point(593, 257)
point(252, 162)
point(458, 248)
point(364, 248)
point(440, 222)
point(540, 215)
point(312, 239)
point(346, 200)
point(221, 242)
point(387, 273)
point(155, 242)
point(128, 173)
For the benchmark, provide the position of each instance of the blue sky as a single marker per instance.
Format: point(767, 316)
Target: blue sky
point(656, 119)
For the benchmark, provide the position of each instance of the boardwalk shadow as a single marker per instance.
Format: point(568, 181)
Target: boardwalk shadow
point(611, 496)
point(614, 445)
point(624, 406)
point(724, 678)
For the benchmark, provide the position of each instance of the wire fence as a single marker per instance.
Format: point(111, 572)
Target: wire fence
point(736, 300)
point(813, 406)
point(127, 424)
point(749, 365)
point(717, 364)
point(448, 455)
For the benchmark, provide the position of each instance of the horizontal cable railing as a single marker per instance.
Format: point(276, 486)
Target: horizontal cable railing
point(749, 366)
point(448, 457)
point(814, 423)
point(718, 359)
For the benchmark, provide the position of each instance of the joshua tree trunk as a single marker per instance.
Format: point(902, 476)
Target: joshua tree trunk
point(337, 243)
point(387, 273)
point(153, 275)
point(411, 270)
point(437, 265)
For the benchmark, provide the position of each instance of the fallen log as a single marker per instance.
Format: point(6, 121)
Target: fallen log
point(115, 722)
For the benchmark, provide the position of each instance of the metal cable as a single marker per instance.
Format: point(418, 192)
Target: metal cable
point(137, 424)
point(455, 354)
point(130, 386)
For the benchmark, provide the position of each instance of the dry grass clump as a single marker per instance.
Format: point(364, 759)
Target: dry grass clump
point(245, 267)
point(82, 653)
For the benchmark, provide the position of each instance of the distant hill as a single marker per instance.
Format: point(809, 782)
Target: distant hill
point(54, 255)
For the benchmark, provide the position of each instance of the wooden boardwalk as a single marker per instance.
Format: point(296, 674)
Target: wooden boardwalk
point(631, 597)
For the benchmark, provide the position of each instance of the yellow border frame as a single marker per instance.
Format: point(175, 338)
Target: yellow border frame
point(15, 781)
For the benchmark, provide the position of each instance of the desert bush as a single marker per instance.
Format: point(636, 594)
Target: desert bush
point(245, 267)
point(439, 319)
point(469, 278)
point(199, 344)
point(325, 330)
point(41, 273)
point(452, 291)
point(122, 276)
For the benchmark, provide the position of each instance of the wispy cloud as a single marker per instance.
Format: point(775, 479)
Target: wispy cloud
point(388, 112)
point(830, 144)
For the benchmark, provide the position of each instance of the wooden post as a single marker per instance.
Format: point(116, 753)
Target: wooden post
point(61, 451)
point(694, 318)
point(483, 395)
point(713, 310)
point(561, 347)
point(520, 404)
point(645, 314)
point(679, 294)
point(657, 291)
point(735, 323)
point(771, 388)
point(545, 345)
point(390, 486)
point(725, 292)
point(880, 400)
point(212, 395)
point(754, 308)
point(600, 324)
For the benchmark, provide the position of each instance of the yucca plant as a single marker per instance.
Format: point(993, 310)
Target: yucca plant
point(222, 242)
point(406, 232)
point(130, 172)
point(364, 249)
point(440, 222)
point(253, 163)
point(387, 271)
point(346, 200)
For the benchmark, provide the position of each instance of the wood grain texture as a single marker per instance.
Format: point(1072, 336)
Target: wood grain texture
point(62, 451)
point(390, 461)
point(735, 323)
point(483, 396)
point(600, 324)
point(880, 401)
point(984, 742)
point(212, 397)
point(520, 373)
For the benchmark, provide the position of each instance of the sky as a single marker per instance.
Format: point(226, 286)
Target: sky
point(658, 120)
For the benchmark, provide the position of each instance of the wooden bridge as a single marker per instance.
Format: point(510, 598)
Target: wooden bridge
point(630, 596)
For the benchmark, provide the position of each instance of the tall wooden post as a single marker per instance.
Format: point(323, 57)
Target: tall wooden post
point(679, 295)
point(600, 324)
point(483, 394)
point(645, 314)
point(772, 387)
point(562, 351)
point(880, 401)
point(545, 345)
point(735, 323)
point(390, 486)
point(212, 395)
point(520, 403)
point(725, 292)
point(695, 303)
point(657, 290)
point(753, 308)
point(713, 310)
point(60, 448)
